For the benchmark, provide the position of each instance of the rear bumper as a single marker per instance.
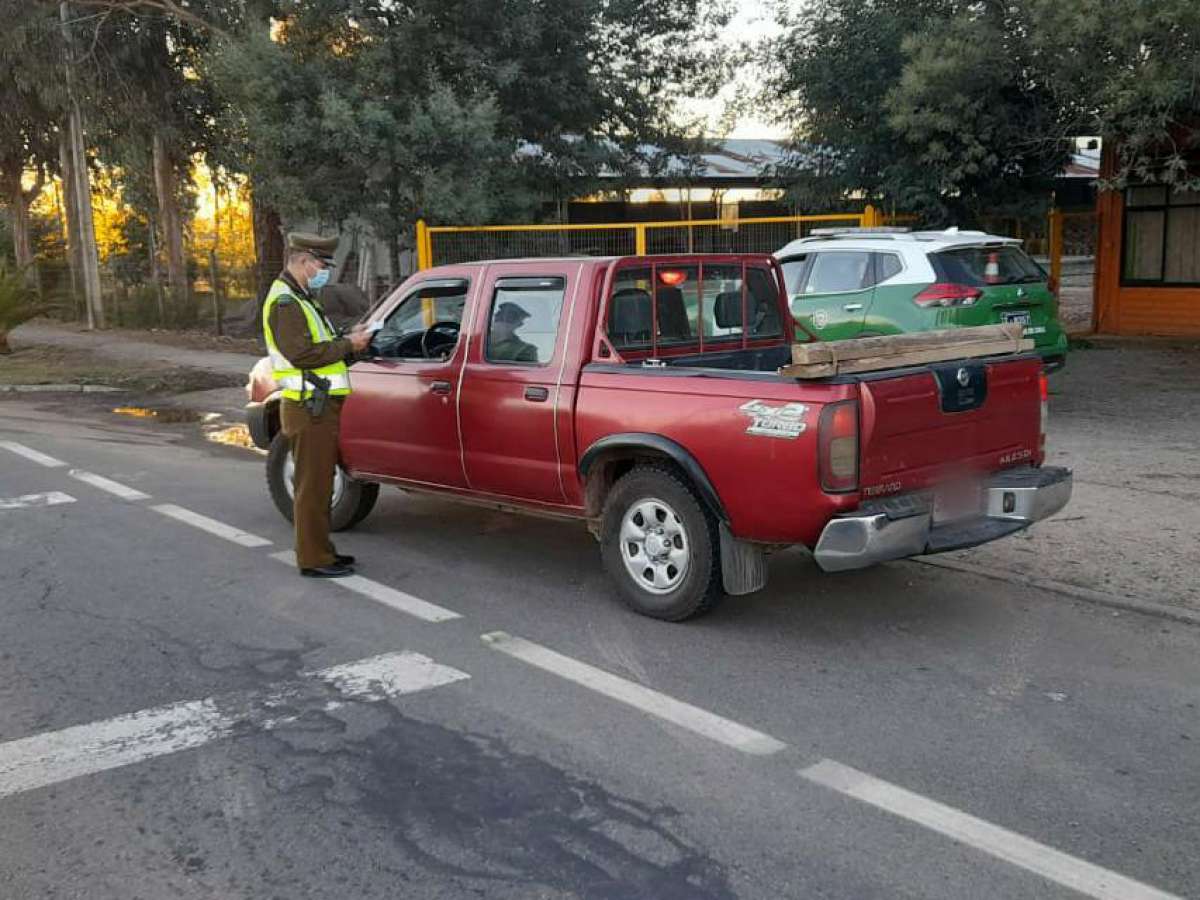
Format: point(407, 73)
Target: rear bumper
point(903, 526)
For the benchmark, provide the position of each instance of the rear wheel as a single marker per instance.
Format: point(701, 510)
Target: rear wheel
point(352, 500)
point(660, 545)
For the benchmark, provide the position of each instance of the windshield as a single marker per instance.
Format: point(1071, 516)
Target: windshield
point(983, 266)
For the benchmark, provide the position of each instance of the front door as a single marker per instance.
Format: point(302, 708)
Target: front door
point(516, 411)
point(834, 294)
point(400, 421)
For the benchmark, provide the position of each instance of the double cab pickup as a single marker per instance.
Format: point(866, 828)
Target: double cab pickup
point(642, 397)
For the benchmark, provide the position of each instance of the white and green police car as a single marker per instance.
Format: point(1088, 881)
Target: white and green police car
point(871, 281)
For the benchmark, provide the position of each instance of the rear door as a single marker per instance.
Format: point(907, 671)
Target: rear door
point(515, 411)
point(833, 293)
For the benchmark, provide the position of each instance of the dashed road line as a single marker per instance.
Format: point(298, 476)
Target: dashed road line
point(53, 498)
point(44, 759)
point(381, 593)
point(212, 526)
point(702, 722)
point(107, 484)
point(1059, 867)
point(29, 453)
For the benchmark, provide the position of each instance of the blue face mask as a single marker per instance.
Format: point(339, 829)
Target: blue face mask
point(319, 280)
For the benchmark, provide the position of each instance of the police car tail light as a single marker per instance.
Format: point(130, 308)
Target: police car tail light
point(945, 293)
point(1044, 393)
point(837, 447)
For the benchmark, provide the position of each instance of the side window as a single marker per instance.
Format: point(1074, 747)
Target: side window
point(794, 269)
point(887, 265)
point(523, 325)
point(404, 330)
point(839, 271)
point(762, 304)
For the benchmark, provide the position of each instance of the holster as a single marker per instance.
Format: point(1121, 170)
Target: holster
point(315, 402)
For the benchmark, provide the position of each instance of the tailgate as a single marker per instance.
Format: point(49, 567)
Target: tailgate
point(921, 427)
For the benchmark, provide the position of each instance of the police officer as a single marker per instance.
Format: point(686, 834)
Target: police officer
point(309, 363)
point(503, 343)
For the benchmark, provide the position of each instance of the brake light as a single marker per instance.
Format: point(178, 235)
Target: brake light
point(1044, 394)
point(944, 293)
point(837, 447)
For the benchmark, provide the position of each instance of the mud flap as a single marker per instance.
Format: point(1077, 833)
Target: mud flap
point(743, 565)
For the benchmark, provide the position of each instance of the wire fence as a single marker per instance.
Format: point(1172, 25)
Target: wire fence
point(441, 245)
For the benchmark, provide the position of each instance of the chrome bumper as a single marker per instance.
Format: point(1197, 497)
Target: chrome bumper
point(903, 526)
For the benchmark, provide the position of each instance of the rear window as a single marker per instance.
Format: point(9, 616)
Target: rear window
point(981, 266)
point(676, 306)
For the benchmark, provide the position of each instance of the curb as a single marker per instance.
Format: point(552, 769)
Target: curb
point(1075, 592)
point(60, 388)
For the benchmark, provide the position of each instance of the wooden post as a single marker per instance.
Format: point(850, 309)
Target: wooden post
point(1056, 248)
point(216, 289)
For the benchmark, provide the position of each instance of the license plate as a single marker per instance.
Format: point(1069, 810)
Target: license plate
point(952, 502)
point(1019, 317)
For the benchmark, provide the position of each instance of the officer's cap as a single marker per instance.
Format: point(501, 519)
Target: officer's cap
point(322, 248)
point(511, 312)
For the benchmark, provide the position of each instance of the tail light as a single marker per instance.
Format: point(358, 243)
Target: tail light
point(837, 447)
point(1044, 393)
point(944, 293)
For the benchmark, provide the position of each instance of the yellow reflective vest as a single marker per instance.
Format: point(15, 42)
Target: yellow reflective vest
point(288, 377)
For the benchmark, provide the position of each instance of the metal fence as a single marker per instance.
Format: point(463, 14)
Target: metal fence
point(439, 245)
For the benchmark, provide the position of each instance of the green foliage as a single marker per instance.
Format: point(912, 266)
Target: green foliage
point(951, 107)
point(18, 302)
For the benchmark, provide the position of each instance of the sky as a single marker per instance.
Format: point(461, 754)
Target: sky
point(753, 21)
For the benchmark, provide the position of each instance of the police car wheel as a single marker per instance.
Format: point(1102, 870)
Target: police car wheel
point(352, 500)
point(660, 544)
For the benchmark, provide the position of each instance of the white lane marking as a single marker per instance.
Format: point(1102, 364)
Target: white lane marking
point(1088, 879)
point(29, 453)
point(684, 715)
point(381, 593)
point(107, 484)
point(45, 759)
point(24, 502)
point(212, 526)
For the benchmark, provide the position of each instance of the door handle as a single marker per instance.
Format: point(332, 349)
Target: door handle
point(537, 394)
point(440, 387)
point(852, 307)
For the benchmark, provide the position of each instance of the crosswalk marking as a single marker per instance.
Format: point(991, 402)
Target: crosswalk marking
point(45, 759)
point(381, 593)
point(1087, 879)
point(29, 453)
point(684, 715)
point(53, 498)
point(212, 526)
point(107, 484)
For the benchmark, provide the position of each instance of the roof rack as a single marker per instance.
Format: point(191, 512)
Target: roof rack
point(855, 231)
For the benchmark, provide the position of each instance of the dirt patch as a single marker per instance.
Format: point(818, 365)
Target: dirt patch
point(58, 365)
point(191, 340)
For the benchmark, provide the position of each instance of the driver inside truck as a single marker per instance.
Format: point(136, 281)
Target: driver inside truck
point(503, 343)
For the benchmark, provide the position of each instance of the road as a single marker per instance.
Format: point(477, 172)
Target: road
point(477, 716)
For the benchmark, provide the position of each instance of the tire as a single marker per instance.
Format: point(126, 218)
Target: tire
point(642, 566)
point(351, 504)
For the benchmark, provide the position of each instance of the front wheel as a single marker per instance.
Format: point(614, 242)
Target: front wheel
point(352, 500)
point(660, 545)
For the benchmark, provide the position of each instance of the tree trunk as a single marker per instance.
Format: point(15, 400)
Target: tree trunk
point(18, 205)
point(71, 215)
point(268, 245)
point(171, 221)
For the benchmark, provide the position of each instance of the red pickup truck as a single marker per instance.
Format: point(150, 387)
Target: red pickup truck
point(642, 396)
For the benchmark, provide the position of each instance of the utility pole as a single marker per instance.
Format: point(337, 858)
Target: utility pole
point(89, 258)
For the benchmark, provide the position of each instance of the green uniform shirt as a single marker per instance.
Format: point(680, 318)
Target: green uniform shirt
point(513, 349)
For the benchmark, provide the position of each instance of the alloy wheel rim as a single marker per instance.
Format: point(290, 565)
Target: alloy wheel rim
point(654, 546)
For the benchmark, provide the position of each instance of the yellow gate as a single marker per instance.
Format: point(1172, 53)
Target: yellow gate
point(439, 245)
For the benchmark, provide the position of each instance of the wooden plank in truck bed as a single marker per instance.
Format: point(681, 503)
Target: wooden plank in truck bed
point(822, 359)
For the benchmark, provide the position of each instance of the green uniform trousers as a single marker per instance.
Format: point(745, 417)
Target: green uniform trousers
point(314, 442)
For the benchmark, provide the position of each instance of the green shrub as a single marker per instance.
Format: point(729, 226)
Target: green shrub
point(18, 303)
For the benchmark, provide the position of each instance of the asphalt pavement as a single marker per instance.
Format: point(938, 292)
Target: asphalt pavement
point(181, 715)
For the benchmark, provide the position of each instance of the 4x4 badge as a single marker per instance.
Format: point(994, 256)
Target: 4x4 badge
point(785, 421)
